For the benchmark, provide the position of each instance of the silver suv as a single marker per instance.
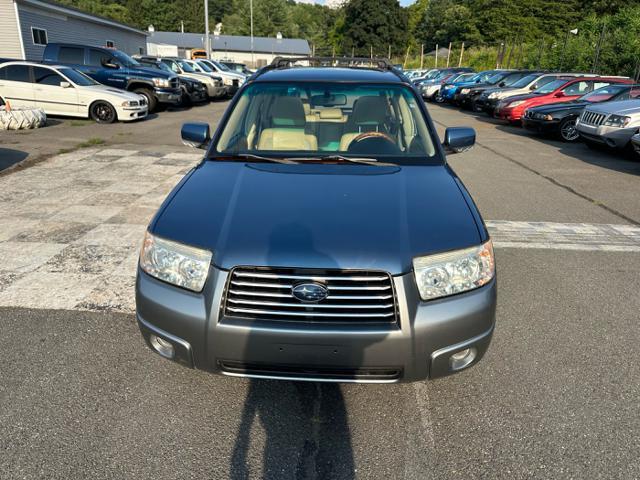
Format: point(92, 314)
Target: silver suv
point(612, 124)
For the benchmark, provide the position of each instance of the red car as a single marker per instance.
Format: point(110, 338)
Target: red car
point(563, 89)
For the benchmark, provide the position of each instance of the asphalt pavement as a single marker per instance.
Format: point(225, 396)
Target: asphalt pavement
point(555, 396)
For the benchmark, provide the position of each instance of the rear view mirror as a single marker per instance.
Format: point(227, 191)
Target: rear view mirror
point(328, 100)
point(459, 139)
point(65, 84)
point(196, 135)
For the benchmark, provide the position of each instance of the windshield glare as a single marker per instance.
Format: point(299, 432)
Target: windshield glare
point(551, 86)
point(322, 119)
point(205, 67)
point(77, 77)
point(603, 94)
point(186, 66)
point(125, 59)
point(496, 78)
point(222, 67)
point(524, 81)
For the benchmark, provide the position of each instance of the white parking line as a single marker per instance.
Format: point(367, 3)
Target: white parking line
point(565, 236)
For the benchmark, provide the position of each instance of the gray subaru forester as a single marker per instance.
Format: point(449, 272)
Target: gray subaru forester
point(323, 237)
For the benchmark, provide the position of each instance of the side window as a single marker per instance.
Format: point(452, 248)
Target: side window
point(543, 81)
point(577, 88)
point(597, 85)
point(17, 73)
point(39, 36)
point(96, 57)
point(73, 55)
point(45, 76)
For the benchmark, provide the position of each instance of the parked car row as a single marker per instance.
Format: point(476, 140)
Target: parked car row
point(599, 110)
point(107, 85)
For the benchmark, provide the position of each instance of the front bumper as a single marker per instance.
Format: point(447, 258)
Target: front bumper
point(171, 96)
point(418, 347)
point(613, 137)
point(217, 91)
point(129, 114)
point(541, 126)
point(509, 114)
point(198, 95)
point(486, 105)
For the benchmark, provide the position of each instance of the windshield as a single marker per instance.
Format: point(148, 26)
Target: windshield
point(524, 81)
point(551, 86)
point(496, 78)
point(204, 66)
point(323, 119)
point(77, 77)
point(186, 66)
point(125, 59)
point(224, 68)
point(603, 94)
point(163, 66)
point(465, 77)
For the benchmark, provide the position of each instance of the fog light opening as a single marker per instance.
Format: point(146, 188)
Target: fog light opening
point(162, 346)
point(462, 358)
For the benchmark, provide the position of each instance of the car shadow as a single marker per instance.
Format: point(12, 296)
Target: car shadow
point(9, 157)
point(305, 423)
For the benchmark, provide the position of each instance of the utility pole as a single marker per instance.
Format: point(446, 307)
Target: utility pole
point(436, 56)
point(371, 48)
point(421, 56)
point(207, 39)
point(598, 47)
point(253, 61)
point(461, 54)
point(389, 57)
point(406, 58)
point(448, 54)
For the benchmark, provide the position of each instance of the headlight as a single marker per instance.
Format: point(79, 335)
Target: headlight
point(129, 103)
point(542, 116)
point(515, 104)
point(161, 82)
point(493, 95)
point(449, 273)
point(464, 91)
point(617, 121)
point(175, 263)
point(228, 81)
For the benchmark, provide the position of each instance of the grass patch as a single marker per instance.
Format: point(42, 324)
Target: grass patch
point(92, 142)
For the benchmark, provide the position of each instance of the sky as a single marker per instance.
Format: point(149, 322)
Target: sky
point(330, 2)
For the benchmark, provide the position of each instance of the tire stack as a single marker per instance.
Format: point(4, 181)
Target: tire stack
point(21, 118)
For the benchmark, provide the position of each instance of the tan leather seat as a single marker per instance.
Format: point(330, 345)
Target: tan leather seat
point(287, 131)
point(333, 115)
point(369, 115)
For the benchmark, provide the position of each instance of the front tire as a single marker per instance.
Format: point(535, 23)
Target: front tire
point(151, 99)
point(438, 97)
point(102, 112)
point(568, 130)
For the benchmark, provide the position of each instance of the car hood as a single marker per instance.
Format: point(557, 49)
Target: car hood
point(559, 107)
point(110, 92)
point(624, 107)
point(150, 72)
point(320, 216)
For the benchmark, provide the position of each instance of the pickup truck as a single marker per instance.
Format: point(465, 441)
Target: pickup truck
point(117, 69)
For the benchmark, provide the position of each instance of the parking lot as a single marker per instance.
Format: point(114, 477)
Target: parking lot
point(82, 396)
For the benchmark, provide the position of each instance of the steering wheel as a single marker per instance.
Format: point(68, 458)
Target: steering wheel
point(369, 142)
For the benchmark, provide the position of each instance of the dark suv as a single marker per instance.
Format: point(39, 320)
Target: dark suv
point(323, 237)
point(117, 69)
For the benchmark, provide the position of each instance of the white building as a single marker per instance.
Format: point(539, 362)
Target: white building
point(228, 47)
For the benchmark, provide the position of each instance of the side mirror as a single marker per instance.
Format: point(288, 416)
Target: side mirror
point(559, 95)
point(195, 134)
point(108, 64)
point(459, 139)
point(502, 84)
point(532, 88)
point(65, 84)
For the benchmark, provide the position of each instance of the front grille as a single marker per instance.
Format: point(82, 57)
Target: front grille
point(236, 82)
point(174, 82)
point(344, 374)
point(593, 118)
point(353, 296)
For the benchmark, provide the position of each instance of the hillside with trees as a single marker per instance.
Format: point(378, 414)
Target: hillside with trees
point(523, 33)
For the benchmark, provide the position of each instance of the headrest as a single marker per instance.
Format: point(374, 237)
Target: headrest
point(331, 114)
point(288, 112)
point(370, 110)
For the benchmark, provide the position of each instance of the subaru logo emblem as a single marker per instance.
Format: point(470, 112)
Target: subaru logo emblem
point(310, 292)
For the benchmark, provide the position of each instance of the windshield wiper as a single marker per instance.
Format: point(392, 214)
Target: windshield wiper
point(342, 158)
point(260, 158)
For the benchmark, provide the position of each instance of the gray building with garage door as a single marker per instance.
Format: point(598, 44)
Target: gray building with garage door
point(26, 26)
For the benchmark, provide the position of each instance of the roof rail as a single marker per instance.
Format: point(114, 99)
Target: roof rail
point(365, 62)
